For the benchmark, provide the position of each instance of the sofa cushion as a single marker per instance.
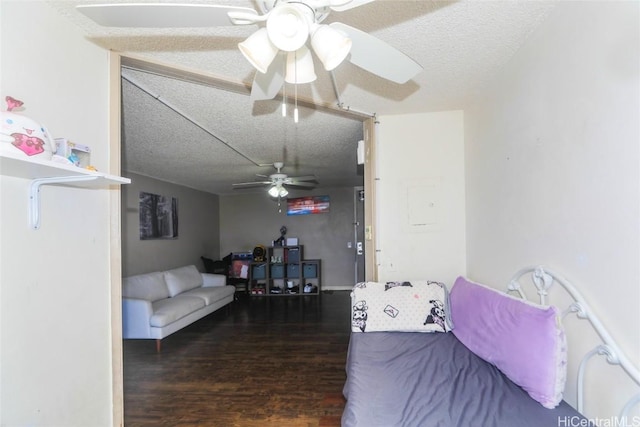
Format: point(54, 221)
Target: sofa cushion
point(182, 279)
point(169, 310)
point(212, 294)
point(150, 286)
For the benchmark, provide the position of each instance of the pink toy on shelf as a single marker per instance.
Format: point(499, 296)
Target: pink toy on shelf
point(23, 136)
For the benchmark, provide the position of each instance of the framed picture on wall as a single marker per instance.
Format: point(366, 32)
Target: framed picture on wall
point(308, 205)
point(158, 217)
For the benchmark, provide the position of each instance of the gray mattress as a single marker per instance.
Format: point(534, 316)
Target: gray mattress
point(431, 379)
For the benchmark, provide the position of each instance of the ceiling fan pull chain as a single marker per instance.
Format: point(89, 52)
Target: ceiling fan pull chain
point(295, 88)
point(284, 91)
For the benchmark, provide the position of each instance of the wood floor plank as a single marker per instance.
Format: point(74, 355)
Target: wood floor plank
point(269, 361)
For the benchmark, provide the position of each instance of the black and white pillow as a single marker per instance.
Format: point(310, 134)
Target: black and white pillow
point(417, 306)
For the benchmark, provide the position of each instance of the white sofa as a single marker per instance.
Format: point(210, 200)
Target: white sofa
point(155, 305)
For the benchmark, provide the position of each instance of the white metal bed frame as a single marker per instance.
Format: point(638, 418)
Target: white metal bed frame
point(543, 280)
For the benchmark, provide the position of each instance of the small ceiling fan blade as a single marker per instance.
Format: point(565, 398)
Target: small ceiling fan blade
point(350, 5)
point(301, 178)
point(267, 85)
point(251, 184)
point(162, 15)
point(300, 184)
point(372, 54)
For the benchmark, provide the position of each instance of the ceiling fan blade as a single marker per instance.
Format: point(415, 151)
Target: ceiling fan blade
point(267, 85)
point(301, 178)
point(251, 184)
point(163, 15)
point(372, 54)
point(349, 5)
point(300, 184)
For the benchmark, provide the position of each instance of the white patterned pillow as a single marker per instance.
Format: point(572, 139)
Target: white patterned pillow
point(418, 306)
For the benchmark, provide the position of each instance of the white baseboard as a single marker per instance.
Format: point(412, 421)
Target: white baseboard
point(337, 288)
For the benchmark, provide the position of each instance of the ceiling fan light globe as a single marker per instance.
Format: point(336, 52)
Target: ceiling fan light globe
point(331, 46)
point(300, 68)
point(288, 26)
point(283, 192)
point(259, 50)
point(273, 191)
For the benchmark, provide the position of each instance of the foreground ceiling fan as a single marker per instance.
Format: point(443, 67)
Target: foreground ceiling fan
point(278, 49)
point(278, 180)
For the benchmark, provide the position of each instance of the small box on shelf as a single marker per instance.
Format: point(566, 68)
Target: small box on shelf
point(291, 241)
point(79, 155)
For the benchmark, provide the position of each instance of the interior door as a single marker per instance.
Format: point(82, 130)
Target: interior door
point(358, 226)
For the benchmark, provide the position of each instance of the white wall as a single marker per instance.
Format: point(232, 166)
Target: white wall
point(420, 193)
point(247, 220)
point(198, 228)
point(55, 333)
point(552, 163)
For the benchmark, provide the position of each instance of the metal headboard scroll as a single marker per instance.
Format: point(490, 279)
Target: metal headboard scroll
point(543, 280)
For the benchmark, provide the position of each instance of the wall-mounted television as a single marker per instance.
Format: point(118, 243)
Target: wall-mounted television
point(308, 205)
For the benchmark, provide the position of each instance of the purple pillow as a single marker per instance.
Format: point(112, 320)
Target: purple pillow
point(524, 340)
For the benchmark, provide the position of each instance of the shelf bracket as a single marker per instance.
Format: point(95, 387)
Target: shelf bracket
point(34, 194)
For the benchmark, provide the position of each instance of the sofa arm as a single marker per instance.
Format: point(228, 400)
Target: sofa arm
point(136, 315)
point(209, 280)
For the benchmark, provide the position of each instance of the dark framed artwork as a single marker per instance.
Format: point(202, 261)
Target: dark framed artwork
point(308, 205)
point(158, 217)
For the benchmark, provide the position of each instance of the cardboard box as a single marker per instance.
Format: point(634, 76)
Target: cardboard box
point(79, 155)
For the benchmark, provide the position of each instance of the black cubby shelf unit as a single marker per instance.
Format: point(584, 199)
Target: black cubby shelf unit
point(285, 272)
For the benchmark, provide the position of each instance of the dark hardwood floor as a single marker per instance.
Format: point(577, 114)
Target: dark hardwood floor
point(267, 361)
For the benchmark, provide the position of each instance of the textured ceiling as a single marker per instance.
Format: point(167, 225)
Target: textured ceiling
point(225, 136)
point(207, 138)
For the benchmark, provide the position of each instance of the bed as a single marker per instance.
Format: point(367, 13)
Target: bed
point(487, 358)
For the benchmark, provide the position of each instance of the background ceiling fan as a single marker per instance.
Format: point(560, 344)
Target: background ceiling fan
point(278, 49)
point(278, 180)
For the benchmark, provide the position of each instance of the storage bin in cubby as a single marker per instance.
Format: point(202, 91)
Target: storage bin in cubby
point(293, 255)
point(258, 271)
point(309, 271)
point(293, 270)
point(277, 271)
